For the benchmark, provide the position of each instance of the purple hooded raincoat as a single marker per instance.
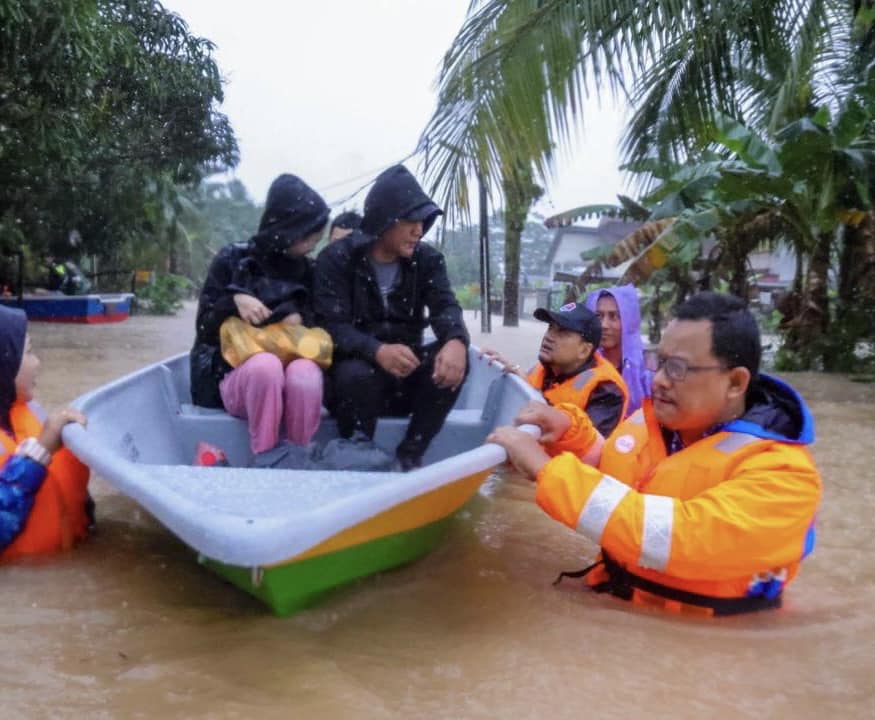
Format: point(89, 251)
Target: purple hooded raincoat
point(638, 378)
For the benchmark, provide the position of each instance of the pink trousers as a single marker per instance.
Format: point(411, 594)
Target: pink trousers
point(261, 392)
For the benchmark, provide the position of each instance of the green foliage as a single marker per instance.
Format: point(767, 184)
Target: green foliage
point(461, 249)
point(518, 70)
point(787, 360)
point(770, 321)
point(104, 104)
point(164, 296)
point(747, 145)
point(469, 296)
point(755, 119)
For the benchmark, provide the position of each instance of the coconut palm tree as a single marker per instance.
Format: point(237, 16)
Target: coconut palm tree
point(518, 70)
point(513, 80)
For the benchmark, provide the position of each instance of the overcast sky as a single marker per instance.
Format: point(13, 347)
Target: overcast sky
point(336, 90)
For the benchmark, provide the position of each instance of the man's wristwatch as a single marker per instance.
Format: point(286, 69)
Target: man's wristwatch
point(34, 449)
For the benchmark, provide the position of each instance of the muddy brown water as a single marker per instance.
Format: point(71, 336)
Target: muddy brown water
point(128, 625)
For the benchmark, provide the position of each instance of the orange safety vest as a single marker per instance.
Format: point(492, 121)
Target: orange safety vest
point(700, 531)
point(58, 518)
point(577, 389)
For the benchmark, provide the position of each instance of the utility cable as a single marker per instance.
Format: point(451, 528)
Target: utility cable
point(372, 174)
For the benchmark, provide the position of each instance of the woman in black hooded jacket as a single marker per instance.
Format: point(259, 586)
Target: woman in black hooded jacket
point(267, 280)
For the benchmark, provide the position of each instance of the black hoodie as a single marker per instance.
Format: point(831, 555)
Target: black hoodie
point(260, 268)
point(347, 297)
point(397, 196)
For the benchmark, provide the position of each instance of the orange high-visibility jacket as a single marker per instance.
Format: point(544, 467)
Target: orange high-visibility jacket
point(577, 389)
point(58, 518)
point(730, 516)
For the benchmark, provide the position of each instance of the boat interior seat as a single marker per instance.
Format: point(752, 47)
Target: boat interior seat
point(163, 427)
point(469, 417)
point(462, 430)
point(197, 410)
point(464, 416)
point(466, 426)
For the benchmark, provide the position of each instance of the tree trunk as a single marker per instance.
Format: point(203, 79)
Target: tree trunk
point(856, 288)
point(799, 275)
point(807, 330)
point(511, 277)
point(172, 251)
point(683, 284)
point(520, 191)
point(738, 284)
point(857, 267)
point(818, 292)
point(655, 334)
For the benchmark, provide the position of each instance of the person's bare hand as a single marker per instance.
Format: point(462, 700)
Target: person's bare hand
point(397, 359)
point(50, 438)
point(553, 423)
point(523, 451)
point(251, 309)
point(450, 364)
point(492, 356)
point(292, 319)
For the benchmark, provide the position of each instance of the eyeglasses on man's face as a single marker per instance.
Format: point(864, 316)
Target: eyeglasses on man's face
point(675, 368)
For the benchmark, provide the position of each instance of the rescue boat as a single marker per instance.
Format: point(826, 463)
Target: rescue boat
point(87, 309)
point(288, 536)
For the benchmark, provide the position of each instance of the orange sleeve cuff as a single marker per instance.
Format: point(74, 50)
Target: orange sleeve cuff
point(579, 437)
point(563, 486)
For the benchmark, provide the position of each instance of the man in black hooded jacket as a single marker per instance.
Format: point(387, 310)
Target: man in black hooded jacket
point(259, 280)
point(372, 291)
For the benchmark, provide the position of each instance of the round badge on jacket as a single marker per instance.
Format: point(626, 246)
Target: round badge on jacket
point(624, 443)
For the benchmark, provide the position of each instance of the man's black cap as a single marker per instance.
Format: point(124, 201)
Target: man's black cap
point(576, 317)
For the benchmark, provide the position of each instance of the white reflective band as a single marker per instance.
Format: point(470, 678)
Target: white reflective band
point(583, 379)
point(637, 417)
point(735, 441)
point(656, 539)
point(600, 506)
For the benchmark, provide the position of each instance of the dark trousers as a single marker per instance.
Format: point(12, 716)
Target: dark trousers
point(360, 392)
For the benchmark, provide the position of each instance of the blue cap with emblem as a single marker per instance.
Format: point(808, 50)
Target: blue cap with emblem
point(576, 317)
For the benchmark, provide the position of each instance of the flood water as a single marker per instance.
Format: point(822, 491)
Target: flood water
point(128, 625)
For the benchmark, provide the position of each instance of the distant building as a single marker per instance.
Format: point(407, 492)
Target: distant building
point(774, 271)
point(571, 241)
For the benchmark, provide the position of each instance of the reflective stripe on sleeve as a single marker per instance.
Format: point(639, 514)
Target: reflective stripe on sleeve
point(600, 506)
point(735, 441)
point(583, 379)
point(656, 537)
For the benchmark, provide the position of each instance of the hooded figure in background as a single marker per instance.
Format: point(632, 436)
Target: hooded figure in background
point(343, 225)
point(266, 280)
point(376, 291)
point(620, 314)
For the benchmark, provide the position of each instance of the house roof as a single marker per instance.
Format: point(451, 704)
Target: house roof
point(562, 233)
point(608, 232)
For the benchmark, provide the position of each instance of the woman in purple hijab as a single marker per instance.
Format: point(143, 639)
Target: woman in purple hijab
point(620, 313)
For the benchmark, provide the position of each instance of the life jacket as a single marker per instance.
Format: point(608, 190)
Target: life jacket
point(59, 517)
point(577, 389)
point(717, 528)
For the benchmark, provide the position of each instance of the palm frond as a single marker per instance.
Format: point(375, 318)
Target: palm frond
point(584, 213)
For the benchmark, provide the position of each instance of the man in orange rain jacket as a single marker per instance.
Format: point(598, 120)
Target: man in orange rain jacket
point(570, 371)
point(704, 500)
